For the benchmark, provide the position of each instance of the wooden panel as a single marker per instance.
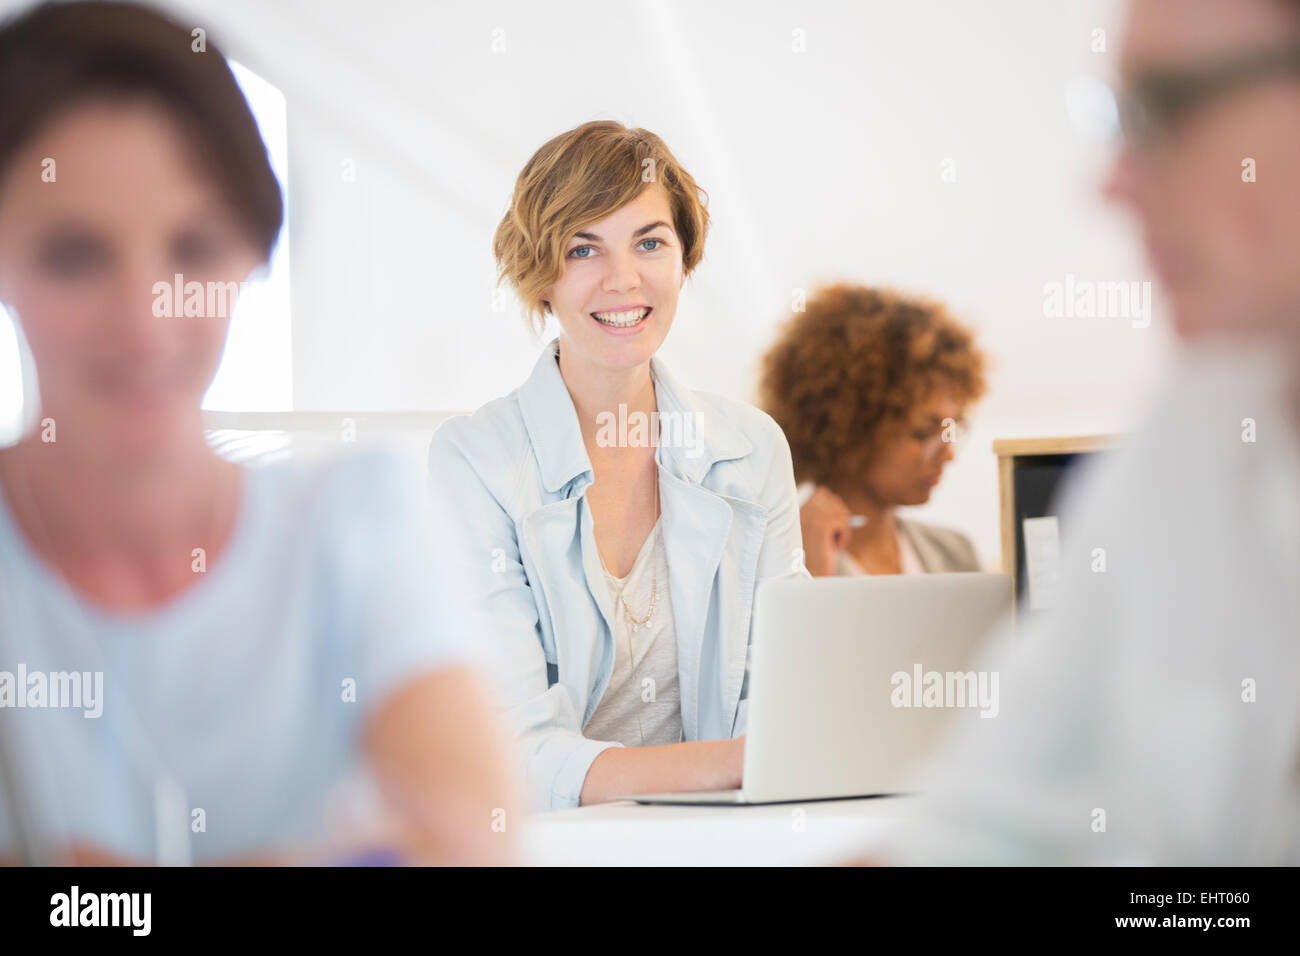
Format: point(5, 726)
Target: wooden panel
point(1054, 446)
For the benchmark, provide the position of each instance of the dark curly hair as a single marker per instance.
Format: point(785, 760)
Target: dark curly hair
point(843, 375)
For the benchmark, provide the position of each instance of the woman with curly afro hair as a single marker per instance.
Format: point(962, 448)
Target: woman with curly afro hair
point(871, 388)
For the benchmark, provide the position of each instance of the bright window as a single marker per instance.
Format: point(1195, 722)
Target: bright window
point(256, 371)
point(11, 381)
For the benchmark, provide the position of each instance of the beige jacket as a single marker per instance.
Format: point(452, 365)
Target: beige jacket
point(938, 549)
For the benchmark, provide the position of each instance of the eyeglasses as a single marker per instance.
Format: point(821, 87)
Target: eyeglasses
point(1155, 101)
point(948, 432)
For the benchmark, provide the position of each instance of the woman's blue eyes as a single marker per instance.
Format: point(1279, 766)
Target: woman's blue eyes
point(584, 252)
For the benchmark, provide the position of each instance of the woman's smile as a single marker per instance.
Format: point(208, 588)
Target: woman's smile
point(623, 320)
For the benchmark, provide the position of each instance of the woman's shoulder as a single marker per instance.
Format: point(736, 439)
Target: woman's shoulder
point(948, 547)
point(747, 416)
point(721, 414)
point(745, 453)
point(483, 455)
point(483, 433)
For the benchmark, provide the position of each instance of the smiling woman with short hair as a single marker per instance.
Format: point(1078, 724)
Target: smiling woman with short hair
point(612, 572)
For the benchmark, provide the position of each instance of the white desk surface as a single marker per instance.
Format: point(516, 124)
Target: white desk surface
point(629, 834)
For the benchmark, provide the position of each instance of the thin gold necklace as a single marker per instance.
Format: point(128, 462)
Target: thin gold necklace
point(632, 662)
point(638, 623)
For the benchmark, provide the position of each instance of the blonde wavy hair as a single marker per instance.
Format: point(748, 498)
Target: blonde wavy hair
point(578, 178)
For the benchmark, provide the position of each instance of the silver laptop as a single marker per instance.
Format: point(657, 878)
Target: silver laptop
point(853, 679)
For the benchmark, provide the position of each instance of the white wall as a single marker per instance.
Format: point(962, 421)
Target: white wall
point(820, 165)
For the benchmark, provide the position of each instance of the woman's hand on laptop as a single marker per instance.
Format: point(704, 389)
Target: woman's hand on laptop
point(736, 762)
point(665, 768)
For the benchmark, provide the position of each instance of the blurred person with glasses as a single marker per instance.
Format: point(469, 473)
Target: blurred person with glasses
point(1151, 717)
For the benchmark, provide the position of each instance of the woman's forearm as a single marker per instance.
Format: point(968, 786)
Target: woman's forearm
point(441, 761)
point(696, 765)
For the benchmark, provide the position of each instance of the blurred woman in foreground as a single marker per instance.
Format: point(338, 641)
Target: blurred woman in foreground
point(208, 655)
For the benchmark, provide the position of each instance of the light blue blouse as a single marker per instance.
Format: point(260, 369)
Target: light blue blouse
point(226, 721)
point(518, 559)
